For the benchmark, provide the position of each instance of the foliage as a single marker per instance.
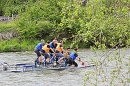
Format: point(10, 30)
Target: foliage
point(39, 21)
point(9, 7)
point(98, 24)
point(16, 45)
point(101, 23)
point(112, 68)
point(5, 27)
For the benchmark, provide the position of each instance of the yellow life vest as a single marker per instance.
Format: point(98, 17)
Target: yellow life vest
point(66, 54)
point(58, 48)
point(45, 48)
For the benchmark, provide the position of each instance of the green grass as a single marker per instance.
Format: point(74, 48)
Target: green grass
point(15, 45)
point(7, 26)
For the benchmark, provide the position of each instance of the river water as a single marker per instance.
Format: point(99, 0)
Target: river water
point(69, 77)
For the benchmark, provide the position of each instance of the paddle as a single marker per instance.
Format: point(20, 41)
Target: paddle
point(82, 63)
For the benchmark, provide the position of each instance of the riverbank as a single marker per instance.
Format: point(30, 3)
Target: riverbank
point(8, 35)
point(10, 41)
point(17, 45)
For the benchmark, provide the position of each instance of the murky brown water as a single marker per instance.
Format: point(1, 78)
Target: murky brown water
point(69, 77)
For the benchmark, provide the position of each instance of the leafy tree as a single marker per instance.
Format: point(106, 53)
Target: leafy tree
point(100, 23)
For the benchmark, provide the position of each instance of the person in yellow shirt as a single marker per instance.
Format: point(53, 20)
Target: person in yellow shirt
point(59, 51)
point(67, 57)
point(46, 52)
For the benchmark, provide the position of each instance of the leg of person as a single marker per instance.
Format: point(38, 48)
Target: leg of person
point(75, 64)
point(38, 55)
point(52, 58)
point(47, 58)
point(61, 56)
point(70, 62)
point(65, 62)
point(57, 58)
point(44, 60)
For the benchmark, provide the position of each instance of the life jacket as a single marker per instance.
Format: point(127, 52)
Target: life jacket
point(58, 48)
point(45, 48)
point(67, 54)
point(39, 46)
point(72, 55)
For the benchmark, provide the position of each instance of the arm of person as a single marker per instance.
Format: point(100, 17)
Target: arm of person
point(63, 49)
point(79, 59)
point(52, 50)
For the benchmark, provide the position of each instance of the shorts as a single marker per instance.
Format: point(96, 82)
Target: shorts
point(71, 62)
point(37, 52)
point(46, 55)
point(59, 55)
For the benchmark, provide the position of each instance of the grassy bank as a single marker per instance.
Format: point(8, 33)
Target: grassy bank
point(7, 26)
point(16, 45)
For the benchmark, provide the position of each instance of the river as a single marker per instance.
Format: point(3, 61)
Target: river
point(69, 77)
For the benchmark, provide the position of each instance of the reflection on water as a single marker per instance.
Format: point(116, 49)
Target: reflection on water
point(69, 77)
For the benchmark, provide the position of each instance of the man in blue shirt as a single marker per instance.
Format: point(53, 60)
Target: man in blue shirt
point(73, 56)
point(37, 50)
point(53, 44)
